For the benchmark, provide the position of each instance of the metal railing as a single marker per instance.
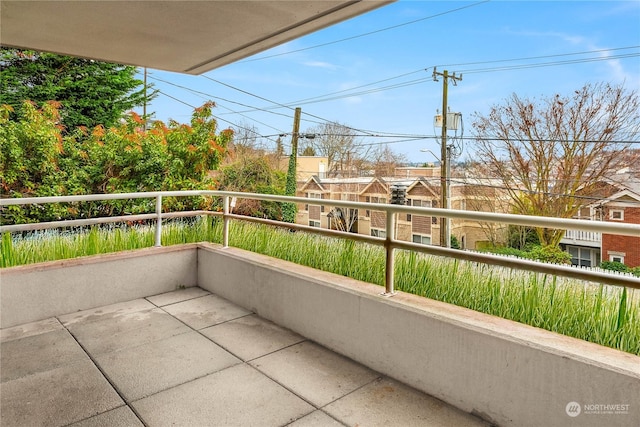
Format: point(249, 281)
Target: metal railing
point(390, 243)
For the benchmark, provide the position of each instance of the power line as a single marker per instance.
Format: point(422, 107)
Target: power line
point(347, 93)
point(366, 34)
point(548, 64)
point(214, 116)
point(209, 96)
point(527, 58)
point(277, 103)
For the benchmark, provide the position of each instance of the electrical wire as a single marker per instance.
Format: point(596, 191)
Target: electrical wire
point(214, 116)
point(365, 34)
point(347, 93)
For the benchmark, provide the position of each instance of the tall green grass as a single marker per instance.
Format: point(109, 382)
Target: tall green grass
point(605, 315)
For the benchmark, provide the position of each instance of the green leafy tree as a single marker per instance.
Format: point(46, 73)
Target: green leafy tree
point(37, 160)
point(90, 92)
point(254, 175)
point(289, 210)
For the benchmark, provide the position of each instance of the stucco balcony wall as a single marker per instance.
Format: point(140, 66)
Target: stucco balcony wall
point(505, 372)
point(35, 292)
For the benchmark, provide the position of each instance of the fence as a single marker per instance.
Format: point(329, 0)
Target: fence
point(390, 243)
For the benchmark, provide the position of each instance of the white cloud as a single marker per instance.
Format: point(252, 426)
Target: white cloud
point(321, 64)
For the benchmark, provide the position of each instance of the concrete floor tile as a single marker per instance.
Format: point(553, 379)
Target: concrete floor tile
point(386, 402)
point(177, 296)
point(205, 311)
point(237, 396)
point(108, 311)
point(126, 330)
point(37, 353)
point(30, 329)
point(250, 337)
point(315, 373)
point(57, 397)
point(316, 419)
point(146, 369)
point(119, 417)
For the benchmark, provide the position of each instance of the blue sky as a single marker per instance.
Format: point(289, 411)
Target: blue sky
point(599, 39)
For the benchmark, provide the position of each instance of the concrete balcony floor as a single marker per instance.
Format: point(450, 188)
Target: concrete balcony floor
point(191, 358)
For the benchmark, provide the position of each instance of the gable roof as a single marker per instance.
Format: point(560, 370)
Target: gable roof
point(311, 182)
point(423, 182)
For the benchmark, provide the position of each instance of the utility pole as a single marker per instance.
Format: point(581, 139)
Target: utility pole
point(289, 209)
point(445, 158)
point(296, 130)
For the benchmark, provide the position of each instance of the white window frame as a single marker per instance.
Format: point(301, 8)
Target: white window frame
point(613, 212)
point(580, 255)
point(616, 257)
point(378, 232)
point(317, 196)
point(314, 223)
point(421, 237)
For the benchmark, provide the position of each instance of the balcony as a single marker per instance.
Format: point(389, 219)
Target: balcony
point(582, 238)
point(206, 334)
point(191, 358)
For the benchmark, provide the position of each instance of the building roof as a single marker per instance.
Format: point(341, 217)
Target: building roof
point(184, 36)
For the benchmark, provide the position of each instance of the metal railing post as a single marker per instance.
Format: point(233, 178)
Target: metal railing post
point(158, 234)
point(225, 221)
point(389, 252)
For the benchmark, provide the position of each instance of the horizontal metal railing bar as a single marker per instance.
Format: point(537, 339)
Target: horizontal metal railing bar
point(389, 243)
point(308, 229)
point(523, 264)
point(97, 220)
point(526, 220)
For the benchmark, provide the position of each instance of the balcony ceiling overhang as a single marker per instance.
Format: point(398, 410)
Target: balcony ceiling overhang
point(174, 35)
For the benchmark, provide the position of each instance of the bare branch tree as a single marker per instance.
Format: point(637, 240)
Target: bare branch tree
point(544, 153)
point(246, 141)
point(384, 161)
point(483, 194)
point(339, 144)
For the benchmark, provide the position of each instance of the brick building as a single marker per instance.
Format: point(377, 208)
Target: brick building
point(622, 207)
point(619, 201)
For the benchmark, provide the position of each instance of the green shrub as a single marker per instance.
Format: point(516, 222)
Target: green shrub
point(551, 254)
point(614, 266)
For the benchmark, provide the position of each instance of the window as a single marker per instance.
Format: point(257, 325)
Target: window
point(616, 214)
point(421, 239)
point(375, 232)
point(616, 256)
point(434, 219)
point(314, 196)
point(580, 256)
point(314, 223)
